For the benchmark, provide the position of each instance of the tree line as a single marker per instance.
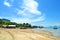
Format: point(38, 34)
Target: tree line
point(21, 25)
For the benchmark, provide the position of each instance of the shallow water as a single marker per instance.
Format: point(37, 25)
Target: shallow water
point(56, 32)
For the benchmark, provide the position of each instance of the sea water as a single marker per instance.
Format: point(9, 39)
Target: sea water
point(56, 32)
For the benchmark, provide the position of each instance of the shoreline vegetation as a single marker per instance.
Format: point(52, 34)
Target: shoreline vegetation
point(5, 23)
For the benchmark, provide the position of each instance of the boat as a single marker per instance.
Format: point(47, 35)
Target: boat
point(55, 27)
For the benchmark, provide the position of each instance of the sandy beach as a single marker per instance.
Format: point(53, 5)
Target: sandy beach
point(26, 34)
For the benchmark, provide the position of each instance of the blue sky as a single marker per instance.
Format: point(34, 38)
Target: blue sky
point(36, 12)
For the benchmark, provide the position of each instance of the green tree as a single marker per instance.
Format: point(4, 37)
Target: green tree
point(4, 22)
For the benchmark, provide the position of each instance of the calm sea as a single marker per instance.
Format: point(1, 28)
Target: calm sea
point(56, 32)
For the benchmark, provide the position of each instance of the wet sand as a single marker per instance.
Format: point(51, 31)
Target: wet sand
point(26, 34)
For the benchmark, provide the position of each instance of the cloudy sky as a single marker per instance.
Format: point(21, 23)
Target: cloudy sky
point(35, 12)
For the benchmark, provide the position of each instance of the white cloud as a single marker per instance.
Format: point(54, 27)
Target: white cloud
point(0, 17)
point(6, 3)
point(21, 20)
point(38, 19)
point(28, 20)
point(29, 10)
point(31, 6)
